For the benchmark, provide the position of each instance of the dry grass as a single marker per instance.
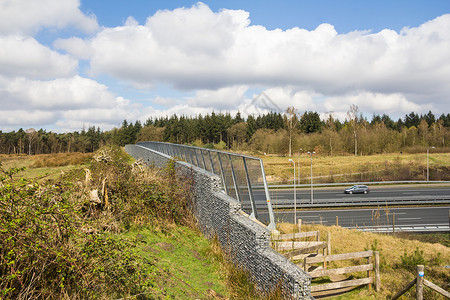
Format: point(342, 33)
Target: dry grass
point(60, 159)
point(48, 166)
point(395, 274)
point(279, 169)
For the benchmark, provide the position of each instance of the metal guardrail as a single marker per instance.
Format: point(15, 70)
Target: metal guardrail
point(382, 201)
point(239, 173)
point(307, 185)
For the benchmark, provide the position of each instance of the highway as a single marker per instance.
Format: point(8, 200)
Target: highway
point(286, 196)
point(422, 218)
point(425, 217)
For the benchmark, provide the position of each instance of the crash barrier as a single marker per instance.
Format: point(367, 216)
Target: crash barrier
point(245, 241)
point(240, 174)
point(363, 201)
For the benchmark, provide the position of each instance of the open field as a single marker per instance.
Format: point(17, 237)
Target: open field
point(381, 167)
point(48, 166)
point(398, 256)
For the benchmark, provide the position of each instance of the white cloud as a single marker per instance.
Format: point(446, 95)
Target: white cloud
point(228, 98)
point(196, 30)
point(391, 104)
point(62, 102)
point(29, 16)
point(302, 100)
point(24, 56)
point(195, 48)
point(63, 93)
point(77, 47)
point(26, 116)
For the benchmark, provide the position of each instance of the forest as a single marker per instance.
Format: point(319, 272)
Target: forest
point(271, 133)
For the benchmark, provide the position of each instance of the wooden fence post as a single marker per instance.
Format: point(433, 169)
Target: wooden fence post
point(337, 221)
point(369, 273)
point(377, 271)
point(318, 240)
point(419, 282)
point(299, 223)
point(305, 266)
point(328, 243)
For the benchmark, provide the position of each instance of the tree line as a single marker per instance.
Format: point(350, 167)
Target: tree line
point(273, 132)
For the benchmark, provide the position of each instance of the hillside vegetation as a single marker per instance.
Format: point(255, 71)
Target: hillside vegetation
point(106, 229)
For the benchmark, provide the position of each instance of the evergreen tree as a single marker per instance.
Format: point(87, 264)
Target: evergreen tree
point(388, 121)
point(412, 119)
point(310, 122)
point(429, 118)
point(251, 127)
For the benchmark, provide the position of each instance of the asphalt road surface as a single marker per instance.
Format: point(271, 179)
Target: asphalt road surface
point(286, 196)
point(409, 216)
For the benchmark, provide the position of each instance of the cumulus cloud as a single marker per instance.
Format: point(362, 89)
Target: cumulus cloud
point(62, 101)
point(252, 54)
point(77, 47)
point(196, 48)
point(228, 98)
point(24, 56)
point(29, 16)
point(373, 102)
point(19, 117)
point(58, 94)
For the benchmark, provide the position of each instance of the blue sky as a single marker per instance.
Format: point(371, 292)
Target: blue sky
point(346, 15)
point(65, 64)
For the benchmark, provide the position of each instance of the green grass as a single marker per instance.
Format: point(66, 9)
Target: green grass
point(186, 267)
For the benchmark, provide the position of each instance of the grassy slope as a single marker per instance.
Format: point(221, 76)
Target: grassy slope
point(186, 267)
point(395, 273)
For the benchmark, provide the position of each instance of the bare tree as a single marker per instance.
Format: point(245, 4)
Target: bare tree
point(290, 121)
point(32, 137)
point(353, 121)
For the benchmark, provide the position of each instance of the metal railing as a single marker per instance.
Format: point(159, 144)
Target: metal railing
point(363, 201)
point(307, 185)
point(240, 174)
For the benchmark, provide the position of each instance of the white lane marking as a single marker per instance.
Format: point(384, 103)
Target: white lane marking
point(370, 209)
point(409, 219)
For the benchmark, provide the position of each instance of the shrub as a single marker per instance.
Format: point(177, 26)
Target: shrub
point(54, 235)
point(410, 261)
